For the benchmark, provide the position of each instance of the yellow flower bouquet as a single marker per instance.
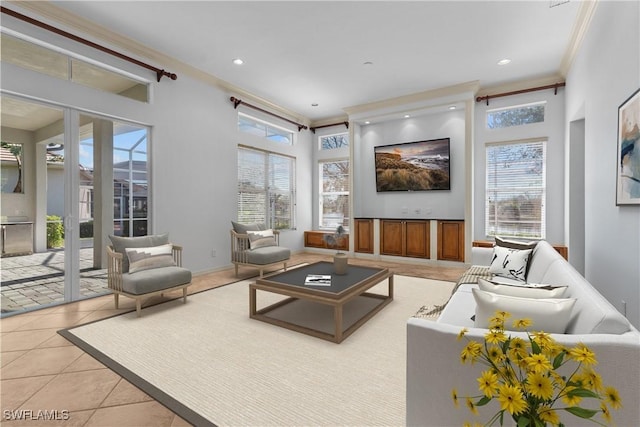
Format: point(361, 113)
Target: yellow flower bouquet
point(523, 376)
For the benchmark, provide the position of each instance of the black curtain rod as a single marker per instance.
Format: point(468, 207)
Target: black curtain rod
point(313, 128)
point(159, 72)
point(554, 86)
point(237, 102)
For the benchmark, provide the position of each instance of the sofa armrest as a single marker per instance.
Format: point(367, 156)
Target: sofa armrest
point(434, 370)
point(481, 255)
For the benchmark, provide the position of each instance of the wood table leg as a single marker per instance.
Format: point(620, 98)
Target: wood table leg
point(337, 318)
point(252, 301)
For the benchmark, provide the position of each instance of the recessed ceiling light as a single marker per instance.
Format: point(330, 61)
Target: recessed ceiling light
point(453, 107)
point(367, 122)
point(406, 116)
point(504, 61)
point(238, 61)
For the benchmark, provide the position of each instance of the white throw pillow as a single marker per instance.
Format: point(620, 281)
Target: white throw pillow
point(141, 259)
point(510, 262)
point(550, 315)
point(523, 290)
point(260, 239)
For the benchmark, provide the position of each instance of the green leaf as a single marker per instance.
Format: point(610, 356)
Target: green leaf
point(581, 412)
point(535, 348)
point(483, 401)
point(558, 360)
point(582, 392)
point(523, 421)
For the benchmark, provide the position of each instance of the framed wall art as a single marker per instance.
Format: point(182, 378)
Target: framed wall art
point(628, 169)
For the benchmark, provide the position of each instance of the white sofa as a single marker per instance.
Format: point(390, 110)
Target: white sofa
point(433, 350)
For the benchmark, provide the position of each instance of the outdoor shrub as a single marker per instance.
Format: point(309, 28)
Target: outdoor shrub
point(55, 232)
point(86, 229)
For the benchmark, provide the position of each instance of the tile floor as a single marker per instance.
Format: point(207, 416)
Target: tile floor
point(42, 371)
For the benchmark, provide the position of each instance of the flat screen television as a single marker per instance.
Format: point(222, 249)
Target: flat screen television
point(413, 166)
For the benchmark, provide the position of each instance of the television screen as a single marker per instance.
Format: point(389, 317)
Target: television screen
point(413, 166)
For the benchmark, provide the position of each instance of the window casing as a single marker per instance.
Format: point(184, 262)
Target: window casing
point(516, 189)
point(266, 188)
point(334, 194)
point(515, 115)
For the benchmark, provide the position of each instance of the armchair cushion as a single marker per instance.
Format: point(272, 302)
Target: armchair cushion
point(260, 239)
point(121, 243)
point(147, 281)
point(267, 255)
point(141, 259)
point(244, 228)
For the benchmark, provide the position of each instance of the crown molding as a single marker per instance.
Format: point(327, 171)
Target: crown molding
point(71, 21)
point(459, 91)
point(580, 27)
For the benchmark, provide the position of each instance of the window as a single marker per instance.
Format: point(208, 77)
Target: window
point(263, 129)
point(334, 194)
point(515, 189)
point(266, 190)
point(62, 66)
point(515, 116)
point(331, 142)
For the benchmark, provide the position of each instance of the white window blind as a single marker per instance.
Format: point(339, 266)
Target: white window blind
point(515, 189)
point(334, 194)
point(266, 191)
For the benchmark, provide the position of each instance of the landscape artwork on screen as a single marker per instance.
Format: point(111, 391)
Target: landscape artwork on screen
point(413, 166)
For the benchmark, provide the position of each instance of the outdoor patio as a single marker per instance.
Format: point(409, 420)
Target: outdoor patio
point(32, 281)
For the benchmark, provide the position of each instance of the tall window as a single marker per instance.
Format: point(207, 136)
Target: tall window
point(266, 189)
point(516, 115)
point(334, 194)
point(263, 129)
point(515, 189)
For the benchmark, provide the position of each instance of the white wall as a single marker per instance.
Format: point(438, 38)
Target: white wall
point(605, 72)
point(437, 204)
point(193, 150)
point(552, 129)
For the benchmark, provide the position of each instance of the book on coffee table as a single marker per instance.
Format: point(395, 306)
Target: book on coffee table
point(318, 280)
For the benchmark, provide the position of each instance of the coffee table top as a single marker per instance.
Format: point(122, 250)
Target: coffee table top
point(339, 283)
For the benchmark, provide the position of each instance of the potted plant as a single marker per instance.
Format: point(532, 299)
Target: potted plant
point(334, 241)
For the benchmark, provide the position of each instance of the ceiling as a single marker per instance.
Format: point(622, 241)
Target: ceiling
point(340, 54)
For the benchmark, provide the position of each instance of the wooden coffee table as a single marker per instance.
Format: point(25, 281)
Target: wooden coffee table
point(344, 289)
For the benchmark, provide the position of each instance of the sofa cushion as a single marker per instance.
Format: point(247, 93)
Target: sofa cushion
point(155, 279)
point(511, 263)
point(141, 259)
point(523, 290)
point(260, 239)
point(550, 315)
point(121, 243)
point(267, 255)
point(243, 228)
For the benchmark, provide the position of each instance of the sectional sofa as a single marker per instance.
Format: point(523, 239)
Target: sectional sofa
point(433, 349)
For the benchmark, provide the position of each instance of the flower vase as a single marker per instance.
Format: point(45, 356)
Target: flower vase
point(340, 262)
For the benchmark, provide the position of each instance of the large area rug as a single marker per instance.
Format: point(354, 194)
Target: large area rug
point(213, 365)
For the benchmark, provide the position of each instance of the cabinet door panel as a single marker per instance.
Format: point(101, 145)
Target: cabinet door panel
point(417, 239)
point(451, 240)
point(391, 237)
point(364, 236)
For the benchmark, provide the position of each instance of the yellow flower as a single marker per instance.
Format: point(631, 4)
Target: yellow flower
point(539, 385)
point(538, 363)
point(612, 397)
point(472, 406)
point(495, 354)
point(548, 415)
point(454, 396)
point(558, 379)
point(511, 399)
point(605, 412)
point(569, 399)
point(591, 379)
point(495, 336)
point(472, 350)
point(488, 382)
point(462, 333)
point(522, 323)
point(542, 338)
point(496, 322)
point(518, 349)
point(581, 353)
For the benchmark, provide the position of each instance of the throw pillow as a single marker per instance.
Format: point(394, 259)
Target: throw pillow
point(518, 245)
point(523, 290)
point(141, 259)
point(550, 315)
point(260, 239)
point(510, 263)
point(121, 243)
point(244, 228)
